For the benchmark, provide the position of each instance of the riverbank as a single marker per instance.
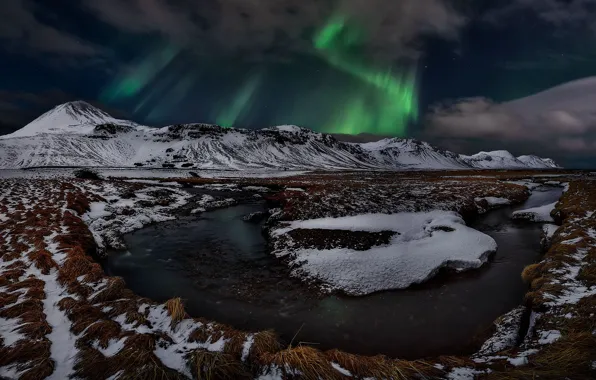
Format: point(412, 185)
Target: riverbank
point(65, 317)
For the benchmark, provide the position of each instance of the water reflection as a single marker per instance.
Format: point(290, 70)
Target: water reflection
point(210, 261)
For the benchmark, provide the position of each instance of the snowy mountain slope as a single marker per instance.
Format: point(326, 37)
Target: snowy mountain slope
point(413, 154)
point(74, 117)
point(503, 159)
point(77, 134)
point(537, 162)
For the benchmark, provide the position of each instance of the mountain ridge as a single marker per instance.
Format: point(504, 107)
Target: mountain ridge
point(78, 134)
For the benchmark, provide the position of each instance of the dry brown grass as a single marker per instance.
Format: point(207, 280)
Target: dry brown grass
point(568, 358)
point(43, 260)
point(380, 367)
point(137, 360)
point(79, 203)
point(265, 342)
point(235, 343)
point(92, 365)
point(26, 283)
point(587, 273)
point(311, 363)
point(94, 274)
point(113, 290)
point(74, 267)
point(28, 309)
point(81, 314)
point(531, 272)
point(102, 332)
point(35, 330)
point(24, 352)
point(41, 369)
point(19, 264)
point(8, 298)
point(135, 318)
point(66, 304)
point(207, 365)
point(175, 310)
point(200, 334)
point(13, 275)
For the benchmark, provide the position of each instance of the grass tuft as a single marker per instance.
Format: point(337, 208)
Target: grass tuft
point(265, 342)
point(380, 367)
point(309, 362)
point(113, 290)
point(175, 310)
point(207, 365)
point(531, 272)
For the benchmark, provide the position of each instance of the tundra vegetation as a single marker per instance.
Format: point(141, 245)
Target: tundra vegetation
point(62, 316)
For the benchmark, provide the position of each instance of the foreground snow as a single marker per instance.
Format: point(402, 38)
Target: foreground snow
point(494, 201)
point(424, 243)
point(536, 214)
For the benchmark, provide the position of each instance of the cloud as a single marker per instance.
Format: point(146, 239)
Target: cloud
point(474, 117)
point(256, 28)
point(571, 13)
point(24, 31)
point(574, 144)
point(562, 117)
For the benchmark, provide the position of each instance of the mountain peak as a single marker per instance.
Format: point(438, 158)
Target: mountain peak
point(80, 111)
point(77, 117)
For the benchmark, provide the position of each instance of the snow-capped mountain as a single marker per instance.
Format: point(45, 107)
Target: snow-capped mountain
point(503, 159)
point(537, 162)
point(74, 117)
point(412, 153)
point(78, 134)
point(492, 160)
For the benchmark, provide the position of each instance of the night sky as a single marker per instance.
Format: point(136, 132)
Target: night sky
point(438, 70)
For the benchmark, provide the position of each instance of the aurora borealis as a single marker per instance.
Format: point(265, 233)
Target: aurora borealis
point(241, 102)
point(435, 70)
point(379, 100)
point(384, 104)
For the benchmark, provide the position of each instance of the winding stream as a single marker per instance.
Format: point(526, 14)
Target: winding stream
point(219, 265)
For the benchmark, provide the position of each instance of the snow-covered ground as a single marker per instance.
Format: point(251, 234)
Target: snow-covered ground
point(536, 214)
point(107, 172)
point(494, 201)
point(76, 306)
point(424, 243)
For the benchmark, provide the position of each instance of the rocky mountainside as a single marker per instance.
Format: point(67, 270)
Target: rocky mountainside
point(78, 134)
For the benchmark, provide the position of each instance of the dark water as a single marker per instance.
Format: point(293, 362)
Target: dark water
point(219, 265)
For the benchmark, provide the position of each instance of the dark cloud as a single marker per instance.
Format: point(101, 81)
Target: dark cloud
point(483, 119)
point(255, 27)
point(559, 122)
point(569, 13)
point(22, 30)
point(548, 61)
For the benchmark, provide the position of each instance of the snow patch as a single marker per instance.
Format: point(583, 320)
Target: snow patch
point(536, 214)
point(425, 242)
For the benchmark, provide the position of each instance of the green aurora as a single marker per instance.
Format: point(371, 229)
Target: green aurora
point(383, 103)
point(241, 103)
point(133, 84)
point(371, 98)
point(386, 110)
